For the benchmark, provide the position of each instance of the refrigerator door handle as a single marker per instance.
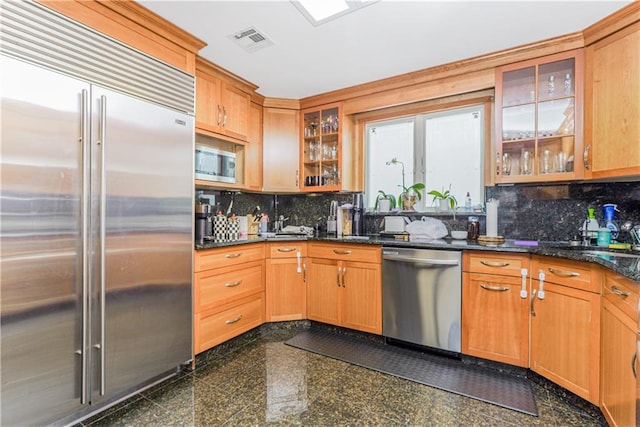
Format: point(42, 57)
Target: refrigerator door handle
point(103, 233)
point(84, 207)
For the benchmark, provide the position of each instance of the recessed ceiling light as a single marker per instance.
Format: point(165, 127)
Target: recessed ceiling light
point(320, 11)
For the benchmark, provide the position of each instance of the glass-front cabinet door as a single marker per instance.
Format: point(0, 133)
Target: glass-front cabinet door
point(539, 119)
point(321, 154)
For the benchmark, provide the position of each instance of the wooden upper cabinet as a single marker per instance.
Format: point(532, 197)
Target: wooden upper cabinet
point(222, 102)
point(280, 150)
point(612, 109)
point(539, 116)
point(136, 26)
point(327, 151)
point(253, 150)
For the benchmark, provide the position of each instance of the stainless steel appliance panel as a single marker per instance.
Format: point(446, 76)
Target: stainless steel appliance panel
point(142, 297)
point(421, 297)
point(96, 248)
point(40, 244)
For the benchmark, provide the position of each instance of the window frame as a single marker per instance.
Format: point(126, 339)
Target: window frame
point(483, 99)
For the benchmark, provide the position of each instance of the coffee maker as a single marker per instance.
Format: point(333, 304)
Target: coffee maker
point(358, 215)
point(203, 228)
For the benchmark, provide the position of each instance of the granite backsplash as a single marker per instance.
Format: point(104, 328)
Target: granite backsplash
point(536, 212)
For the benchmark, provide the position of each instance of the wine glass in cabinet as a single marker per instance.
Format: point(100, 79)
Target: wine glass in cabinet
point(539, 119)
point(321, 153)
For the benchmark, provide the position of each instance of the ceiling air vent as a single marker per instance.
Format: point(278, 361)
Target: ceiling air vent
point(251, 39)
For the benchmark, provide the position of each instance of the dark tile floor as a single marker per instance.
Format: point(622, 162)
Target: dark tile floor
point(257, 380)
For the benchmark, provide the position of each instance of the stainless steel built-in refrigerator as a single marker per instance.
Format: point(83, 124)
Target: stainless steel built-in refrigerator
point(96, 227)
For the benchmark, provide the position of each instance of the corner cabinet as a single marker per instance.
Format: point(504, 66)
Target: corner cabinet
point(253, 150)
point(565, 324)
point(539, 119)
point(618, 387)
point(345, 286)
point(280, 150)
point(286, 281)
point(325, 149)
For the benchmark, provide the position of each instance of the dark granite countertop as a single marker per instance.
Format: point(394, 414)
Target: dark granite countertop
point(624, 262)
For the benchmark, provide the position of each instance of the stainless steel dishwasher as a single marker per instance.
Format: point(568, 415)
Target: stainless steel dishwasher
point(421, 296)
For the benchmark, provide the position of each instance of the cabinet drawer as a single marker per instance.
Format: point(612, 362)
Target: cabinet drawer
point(503, 263)
point(213, 328)
point(575, 274)
point(346, 252)
point(622, 293)
point(224, 257)
point(213, 288)
point(286, 249)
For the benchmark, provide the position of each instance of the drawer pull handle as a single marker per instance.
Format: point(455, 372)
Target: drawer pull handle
point(494, 263)
point(563, 273)
point(494, 288)
point(286, 249)
point(342, 251)
point(232, 284)
point(231, 321)
point(633, 364)
point(619, 292)
point(236, 255)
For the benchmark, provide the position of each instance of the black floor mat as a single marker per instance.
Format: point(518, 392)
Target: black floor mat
point(436, 371)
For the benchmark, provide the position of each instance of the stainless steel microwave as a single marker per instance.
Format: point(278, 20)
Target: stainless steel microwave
point(213, 164)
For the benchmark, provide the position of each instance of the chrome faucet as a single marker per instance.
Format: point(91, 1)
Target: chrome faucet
point(634, 232)
point(584, 233)
point(279, 223)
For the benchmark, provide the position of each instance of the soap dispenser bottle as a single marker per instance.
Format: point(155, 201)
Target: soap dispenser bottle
point(591, 224)
point(609, 219)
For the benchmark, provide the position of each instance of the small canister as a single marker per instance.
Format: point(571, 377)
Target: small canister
point(604, 237)
point(233, 228)
point(220, 228)
point(473, 228)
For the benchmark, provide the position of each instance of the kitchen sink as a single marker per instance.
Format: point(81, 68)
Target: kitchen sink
point(604, 253)
point(288, 236)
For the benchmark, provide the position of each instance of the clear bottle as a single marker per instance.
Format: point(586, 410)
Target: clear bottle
point(591, 225)
point(468, 204)
point(551, 88)
point(568, 84)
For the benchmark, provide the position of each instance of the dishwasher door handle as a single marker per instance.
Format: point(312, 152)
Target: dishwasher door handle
point(423, 261)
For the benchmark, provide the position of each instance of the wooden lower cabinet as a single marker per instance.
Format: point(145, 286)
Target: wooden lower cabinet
point(343, 290)
point(495, 319)
point(565, 325)
point(618, 386)
point(229, 293)
point(286, 282)
point(495, 316)
point(215, 327)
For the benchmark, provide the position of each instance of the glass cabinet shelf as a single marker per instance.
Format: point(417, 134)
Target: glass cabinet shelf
point(321, 149)
point(539, 119)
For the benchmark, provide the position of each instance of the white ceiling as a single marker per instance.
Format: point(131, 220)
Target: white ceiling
point(384, 39)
